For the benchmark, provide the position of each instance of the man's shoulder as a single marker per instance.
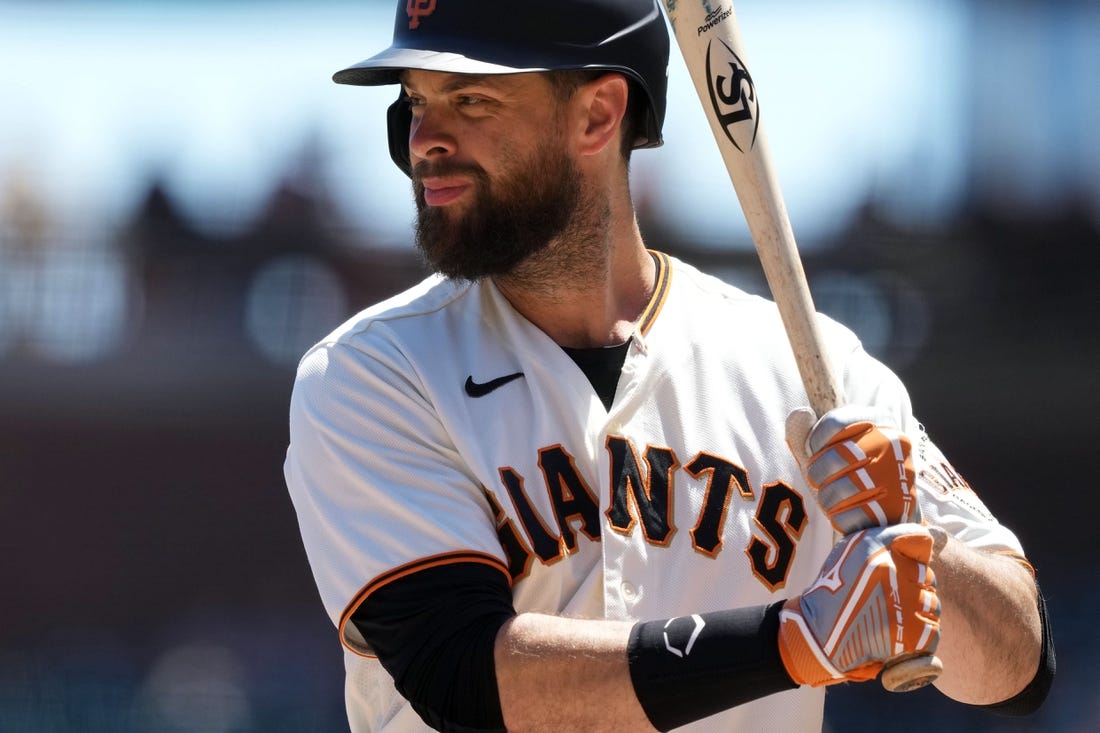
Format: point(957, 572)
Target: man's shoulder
point(741, 300)
point(409, 310)
point(409, 316)
point(698, 284)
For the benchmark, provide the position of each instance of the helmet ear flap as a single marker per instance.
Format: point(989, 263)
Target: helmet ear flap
point(399, 124)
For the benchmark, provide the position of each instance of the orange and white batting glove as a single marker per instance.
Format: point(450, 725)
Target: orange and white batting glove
point(874, 600)
point(860, 467)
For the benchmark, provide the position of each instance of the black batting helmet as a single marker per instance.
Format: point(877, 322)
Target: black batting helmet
point(511, 36)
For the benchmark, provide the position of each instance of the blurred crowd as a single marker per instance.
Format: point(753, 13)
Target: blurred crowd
point(155, 580)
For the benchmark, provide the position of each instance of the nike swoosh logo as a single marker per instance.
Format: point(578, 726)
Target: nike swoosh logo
point(480, 389)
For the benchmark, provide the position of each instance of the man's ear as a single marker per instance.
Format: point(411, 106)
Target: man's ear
point(603, 105)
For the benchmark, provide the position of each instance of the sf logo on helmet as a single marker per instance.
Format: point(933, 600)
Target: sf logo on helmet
point(417, 9)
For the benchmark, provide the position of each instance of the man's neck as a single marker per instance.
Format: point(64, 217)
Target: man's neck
point(589, 305)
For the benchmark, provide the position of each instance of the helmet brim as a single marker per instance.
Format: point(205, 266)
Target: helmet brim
point(386, 67)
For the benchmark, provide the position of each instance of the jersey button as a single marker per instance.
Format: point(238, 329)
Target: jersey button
point(629, 592)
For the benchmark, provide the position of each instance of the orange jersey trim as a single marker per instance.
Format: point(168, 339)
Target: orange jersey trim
point(434, 561)
point(660, 291)
point(1018, 558)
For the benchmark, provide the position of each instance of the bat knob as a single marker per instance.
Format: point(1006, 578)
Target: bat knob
point(910, 672)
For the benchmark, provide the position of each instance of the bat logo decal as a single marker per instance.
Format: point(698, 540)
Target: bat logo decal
point(733, 96)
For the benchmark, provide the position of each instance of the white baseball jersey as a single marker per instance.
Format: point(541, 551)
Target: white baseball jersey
point(441, 426)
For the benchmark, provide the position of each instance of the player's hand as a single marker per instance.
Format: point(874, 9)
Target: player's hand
point(860, 467)
point(874, 600)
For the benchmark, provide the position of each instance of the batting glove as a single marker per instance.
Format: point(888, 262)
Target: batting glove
point(860, 467)
point(874, 600)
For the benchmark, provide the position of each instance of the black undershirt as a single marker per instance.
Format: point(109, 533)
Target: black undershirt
point(602, 365)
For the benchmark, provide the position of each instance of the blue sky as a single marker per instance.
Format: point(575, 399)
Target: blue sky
point(95, 95)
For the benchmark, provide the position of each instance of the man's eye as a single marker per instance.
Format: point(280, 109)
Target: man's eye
point(466, 100)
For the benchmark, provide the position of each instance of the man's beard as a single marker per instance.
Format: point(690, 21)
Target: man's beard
point(506, 224)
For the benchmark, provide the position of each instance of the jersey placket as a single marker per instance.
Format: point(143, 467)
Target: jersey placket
point(624, 553)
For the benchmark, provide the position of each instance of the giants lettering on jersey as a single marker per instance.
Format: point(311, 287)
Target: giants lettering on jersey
point(642, 488)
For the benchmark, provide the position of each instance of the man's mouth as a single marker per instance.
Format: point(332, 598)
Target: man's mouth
point(440, 195)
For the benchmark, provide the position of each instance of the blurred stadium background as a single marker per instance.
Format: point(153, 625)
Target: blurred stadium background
point(187, 202)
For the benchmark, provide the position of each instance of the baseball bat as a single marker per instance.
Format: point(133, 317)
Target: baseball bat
point(710, 42)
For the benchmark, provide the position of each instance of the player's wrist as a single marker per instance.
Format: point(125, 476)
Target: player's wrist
point(688, 668)
point(802, 655)
point(836, 630)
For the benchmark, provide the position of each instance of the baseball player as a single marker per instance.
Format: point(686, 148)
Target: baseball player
point(568, 482)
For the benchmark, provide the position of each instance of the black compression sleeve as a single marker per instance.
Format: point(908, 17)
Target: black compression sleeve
point(434, 631)
point(690, 667)
point(1028, 700)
